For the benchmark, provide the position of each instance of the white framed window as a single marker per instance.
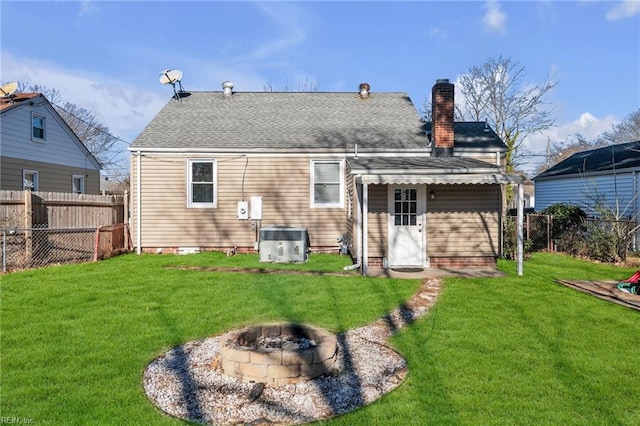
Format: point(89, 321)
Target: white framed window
point(327, 183)
point(77, 184)
point(202, 185)
point(38, 132)
point(29, 180)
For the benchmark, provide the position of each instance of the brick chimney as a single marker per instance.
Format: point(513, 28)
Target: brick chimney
point(442, 118)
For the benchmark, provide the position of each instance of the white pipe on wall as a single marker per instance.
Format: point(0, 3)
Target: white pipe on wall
point(138, 204)
point(365, 225)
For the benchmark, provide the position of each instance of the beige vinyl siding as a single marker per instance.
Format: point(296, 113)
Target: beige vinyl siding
point(378, 221)
point(463, 220)
point(283, 184)
point(51, 177)
point(489, 157)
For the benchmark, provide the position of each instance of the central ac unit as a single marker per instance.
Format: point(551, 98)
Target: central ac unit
point(283, 244)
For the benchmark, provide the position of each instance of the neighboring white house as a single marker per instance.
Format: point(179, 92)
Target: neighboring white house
point(609, 175)
point(39, 151)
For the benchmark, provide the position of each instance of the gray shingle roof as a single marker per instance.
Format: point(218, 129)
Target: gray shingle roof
point(286, 120)
point(624, 156)
point(473, 135)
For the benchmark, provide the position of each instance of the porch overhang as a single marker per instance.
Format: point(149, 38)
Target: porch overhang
point(444, 179)
point(425, 171)
point(428, 170)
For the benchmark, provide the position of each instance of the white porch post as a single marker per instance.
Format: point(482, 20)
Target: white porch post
point(138, 203)
point(520, 226)
point(359, 224)
point(365, 226)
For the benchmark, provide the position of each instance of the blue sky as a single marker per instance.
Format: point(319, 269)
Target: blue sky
point(107, 55)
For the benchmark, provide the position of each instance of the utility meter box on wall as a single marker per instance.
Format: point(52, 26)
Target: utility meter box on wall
point(256, 207)
point(243, 210)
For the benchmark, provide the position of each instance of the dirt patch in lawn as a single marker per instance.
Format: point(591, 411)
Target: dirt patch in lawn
point(257, 270)
point(606, 290)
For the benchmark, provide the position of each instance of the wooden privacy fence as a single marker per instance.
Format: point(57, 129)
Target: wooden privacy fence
point(29, 209)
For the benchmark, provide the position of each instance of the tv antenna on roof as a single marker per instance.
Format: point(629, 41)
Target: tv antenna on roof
point(8, 90)
point(172, 77)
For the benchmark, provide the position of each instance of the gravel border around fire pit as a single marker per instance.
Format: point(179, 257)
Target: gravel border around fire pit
point(186, 382)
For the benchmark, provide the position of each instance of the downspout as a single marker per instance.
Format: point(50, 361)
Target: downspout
point(138, 204)
point(520, 226)
point(365, 227)
point(358, 231)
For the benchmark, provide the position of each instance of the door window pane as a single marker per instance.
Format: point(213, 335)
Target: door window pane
point(405, 207)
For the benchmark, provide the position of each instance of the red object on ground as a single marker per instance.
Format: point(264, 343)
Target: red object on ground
point(633, 279)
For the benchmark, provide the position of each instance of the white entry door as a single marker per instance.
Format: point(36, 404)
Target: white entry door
point(407, 206)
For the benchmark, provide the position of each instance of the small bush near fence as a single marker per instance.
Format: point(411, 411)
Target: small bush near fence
point(598, 239)
point(25, 248)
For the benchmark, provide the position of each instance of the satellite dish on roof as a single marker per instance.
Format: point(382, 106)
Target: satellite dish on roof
point(172, 77)
point(8, 89)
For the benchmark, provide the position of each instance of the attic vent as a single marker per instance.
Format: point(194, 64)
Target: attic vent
point(227, 88)
point(364, 90)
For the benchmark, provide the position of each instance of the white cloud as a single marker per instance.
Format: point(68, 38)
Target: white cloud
point(624, 9)
point(494, 19)
point(119, 105)
point(293, 24)
point(87, 7)
point(587, 125)
point(546, 10)
point(437, 32)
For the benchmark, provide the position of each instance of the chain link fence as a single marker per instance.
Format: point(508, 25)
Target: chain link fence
point(26, 248)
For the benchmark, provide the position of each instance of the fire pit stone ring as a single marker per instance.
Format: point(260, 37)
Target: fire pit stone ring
point(278, 354)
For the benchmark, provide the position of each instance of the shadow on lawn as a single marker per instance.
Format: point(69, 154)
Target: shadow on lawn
point(553, 332)
point(179, 364)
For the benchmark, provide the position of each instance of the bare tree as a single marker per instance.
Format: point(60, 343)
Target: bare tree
point(309, 84)
point(559, 151)
point(498, 92)
point(627, 131)
point(91, 132)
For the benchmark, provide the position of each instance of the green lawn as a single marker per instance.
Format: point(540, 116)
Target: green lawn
point(516, 350)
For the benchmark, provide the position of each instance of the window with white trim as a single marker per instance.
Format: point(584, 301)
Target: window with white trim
point(29, 180)
point(37, 127)
point(77, 184)
point(327, 183)
point(201, 191)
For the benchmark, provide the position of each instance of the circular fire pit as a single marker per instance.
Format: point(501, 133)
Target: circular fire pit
point(277, 354)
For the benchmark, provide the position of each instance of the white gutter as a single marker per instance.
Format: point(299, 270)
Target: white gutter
point(138, 204)
point(409, 152)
